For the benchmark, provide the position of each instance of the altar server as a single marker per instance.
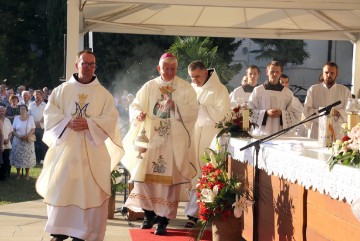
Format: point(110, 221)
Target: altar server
point(273, 106)
point(241, 94)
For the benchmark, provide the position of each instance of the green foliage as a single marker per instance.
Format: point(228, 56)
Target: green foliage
point(13, 191)
point(23, 42)
point(188, 49)
point(282, 50)
point(56, 28)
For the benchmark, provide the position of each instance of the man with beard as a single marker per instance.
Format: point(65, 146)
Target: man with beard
point(273, 106)
point(324, 94)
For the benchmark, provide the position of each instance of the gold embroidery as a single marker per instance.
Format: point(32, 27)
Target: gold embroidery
point(166, 180)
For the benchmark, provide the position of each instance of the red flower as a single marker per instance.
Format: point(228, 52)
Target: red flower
point(345, 138)
point(236, 109)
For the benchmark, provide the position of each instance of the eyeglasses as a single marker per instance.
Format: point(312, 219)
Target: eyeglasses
point(86, 64)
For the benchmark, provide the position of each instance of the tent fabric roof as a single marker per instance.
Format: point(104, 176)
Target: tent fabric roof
point(283, 19)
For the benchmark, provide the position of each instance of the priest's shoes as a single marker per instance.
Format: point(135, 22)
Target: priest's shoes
point(161, 229)
point(148, 223)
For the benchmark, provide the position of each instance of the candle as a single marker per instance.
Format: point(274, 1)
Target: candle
point(246, 117)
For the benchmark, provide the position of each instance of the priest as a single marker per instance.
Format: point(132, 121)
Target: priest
point(213, 98)
point(80, 121)
point(162, 117)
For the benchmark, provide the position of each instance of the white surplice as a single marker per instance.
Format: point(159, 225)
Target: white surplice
point(239, 95)
point(262, 100)
point(75, 179)
point(214, 101)
point(318, 96)
point(166, 164)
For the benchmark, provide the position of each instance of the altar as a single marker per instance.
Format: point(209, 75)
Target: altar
point(299, 197)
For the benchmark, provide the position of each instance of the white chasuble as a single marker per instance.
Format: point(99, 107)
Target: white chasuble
point(167, 160)
point(78, 164)
point(262, 100)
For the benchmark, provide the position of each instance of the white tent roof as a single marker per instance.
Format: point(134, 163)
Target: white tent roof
point(285, 19)
point(293, 19)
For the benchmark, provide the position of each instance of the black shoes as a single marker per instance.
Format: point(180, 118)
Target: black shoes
point(60, 237)
point(191, 222)
point(161, 228)
point(150, 219)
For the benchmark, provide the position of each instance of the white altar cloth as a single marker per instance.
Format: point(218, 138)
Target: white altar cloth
point(302, 161)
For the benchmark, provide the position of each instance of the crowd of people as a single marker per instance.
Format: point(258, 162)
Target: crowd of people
point(21, 115)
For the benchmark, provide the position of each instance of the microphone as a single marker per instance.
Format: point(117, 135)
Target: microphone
point(327, 108)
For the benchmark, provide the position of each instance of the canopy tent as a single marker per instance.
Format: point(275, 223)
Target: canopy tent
point(282, 19)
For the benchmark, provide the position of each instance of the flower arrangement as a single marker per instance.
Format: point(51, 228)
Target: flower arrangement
point(219, 194)
point(347, 150)
point(237, 122)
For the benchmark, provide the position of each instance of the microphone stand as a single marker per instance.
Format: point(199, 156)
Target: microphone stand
point(256, 180)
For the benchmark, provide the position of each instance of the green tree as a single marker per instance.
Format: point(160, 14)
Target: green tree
point(23, 42)
point(285, 51)
point(188, 49)
point(56, 28)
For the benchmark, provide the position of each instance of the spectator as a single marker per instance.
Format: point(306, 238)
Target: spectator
point(272, 105)
point(326, 93)
point(23, 151)
point(46, 94)
point(241, 94)
point(20, 89)
point(31, 92)
point(166, 107)
point(84, 145)
point(7, 132)
point(3, 95)
point(213, 98)
point(36, 109)
point(13, 109)
point(25, 98)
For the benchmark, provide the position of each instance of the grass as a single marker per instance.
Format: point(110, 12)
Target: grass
point(13, 191)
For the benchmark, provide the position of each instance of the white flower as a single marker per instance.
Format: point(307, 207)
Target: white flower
point(241, 205)
point(209, 195)
point(213, 160)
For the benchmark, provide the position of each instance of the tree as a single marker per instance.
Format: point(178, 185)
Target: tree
point(56, 28)
point(23, 42)
point(188, 49)
point(284, 51)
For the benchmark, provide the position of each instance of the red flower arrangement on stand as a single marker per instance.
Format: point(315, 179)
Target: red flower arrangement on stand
point(219, 194)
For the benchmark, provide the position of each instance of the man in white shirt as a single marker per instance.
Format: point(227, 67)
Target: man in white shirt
point(36, 109)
